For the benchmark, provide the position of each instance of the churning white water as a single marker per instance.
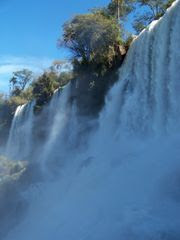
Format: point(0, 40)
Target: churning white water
point(125, 183)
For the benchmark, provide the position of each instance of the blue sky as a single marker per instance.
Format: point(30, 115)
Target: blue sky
point(29, 32)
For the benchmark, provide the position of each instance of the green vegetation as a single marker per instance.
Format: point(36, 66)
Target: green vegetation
point(44, 88)
point(154, 10)
point(119, 9)
point(98, 49)
point(25, 87)
point(92, 39)
point(98, 43)
point(19, 81)
point(6, 114)
point(98, 46)
point(20, 88)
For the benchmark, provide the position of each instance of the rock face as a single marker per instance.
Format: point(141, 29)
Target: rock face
point(12, 205)
point(122, 50)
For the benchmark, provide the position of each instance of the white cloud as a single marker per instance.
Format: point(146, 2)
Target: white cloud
point(9, 64)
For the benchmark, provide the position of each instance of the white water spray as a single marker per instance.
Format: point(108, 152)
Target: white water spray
point(20, 136)
point(126, 185)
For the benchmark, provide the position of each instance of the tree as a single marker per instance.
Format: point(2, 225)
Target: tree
point(120, 8)
point(44, 88)
point(154, 10)
point(19, 81)
point(6, 115)
point(168, 3)
point(156, 7)
point(91, 38)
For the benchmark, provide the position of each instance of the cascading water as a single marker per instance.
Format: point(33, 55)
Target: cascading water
point(20, 137)
point(126, 183)
point(58, 121)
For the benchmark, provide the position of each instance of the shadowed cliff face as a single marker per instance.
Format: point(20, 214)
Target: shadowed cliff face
point(89, 90)
point(116, 177)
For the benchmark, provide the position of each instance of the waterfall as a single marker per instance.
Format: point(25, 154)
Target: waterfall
point(58, 121)
point(147, 94)
point(20, 137)
point(123, 181)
